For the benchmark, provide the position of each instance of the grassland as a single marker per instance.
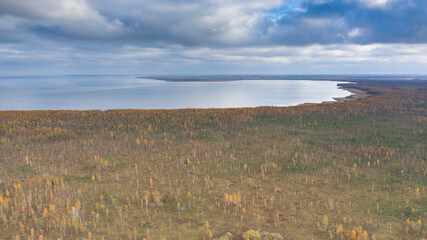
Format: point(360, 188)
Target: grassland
point(348, 170)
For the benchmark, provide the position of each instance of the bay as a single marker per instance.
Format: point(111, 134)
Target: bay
point(128, 92)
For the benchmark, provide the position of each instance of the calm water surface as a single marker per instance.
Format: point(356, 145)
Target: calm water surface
point(123, 92)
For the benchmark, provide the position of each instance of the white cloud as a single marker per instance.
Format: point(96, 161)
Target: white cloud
point(71, 10)
point(375, 3)
point(74, 17)
point(175, 59)
point(194, 22)
point(213, 22)
point(177, 32)
point(337, 53)
point(355, 33)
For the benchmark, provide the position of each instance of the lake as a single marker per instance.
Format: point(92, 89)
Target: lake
point(125, 92)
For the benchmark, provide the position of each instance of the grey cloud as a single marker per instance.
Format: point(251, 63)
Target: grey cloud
point(337, 58)
point(140, 22)
point(49, 9)
point(63, 19)
point(198, 37)
point(192, 22)
point(218, 23)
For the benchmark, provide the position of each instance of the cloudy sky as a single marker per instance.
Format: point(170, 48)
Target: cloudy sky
point(213, 37)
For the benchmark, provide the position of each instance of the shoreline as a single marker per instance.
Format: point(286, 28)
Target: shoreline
point(356, 94)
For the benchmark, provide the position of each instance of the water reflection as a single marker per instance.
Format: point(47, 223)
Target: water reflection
point(120, 92)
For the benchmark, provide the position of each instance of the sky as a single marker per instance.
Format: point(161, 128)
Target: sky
point(213, 37)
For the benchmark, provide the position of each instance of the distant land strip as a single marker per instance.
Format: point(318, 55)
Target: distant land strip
point(354, 78)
